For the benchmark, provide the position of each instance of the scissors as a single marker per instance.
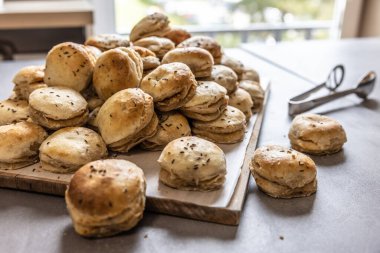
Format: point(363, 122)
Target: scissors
point(301, 103)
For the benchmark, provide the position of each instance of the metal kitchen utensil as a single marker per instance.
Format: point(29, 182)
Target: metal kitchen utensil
point(301, 103)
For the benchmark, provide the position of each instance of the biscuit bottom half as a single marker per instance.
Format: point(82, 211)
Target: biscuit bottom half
point(226, 138)
point(19, 164)
point(43, 120)
point(281, 191)
point(176, 100)
point(92, 226)
point(126, 144)
point(315, 148)
point(209, 184)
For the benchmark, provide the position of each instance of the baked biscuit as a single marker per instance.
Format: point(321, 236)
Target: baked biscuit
point(131, 106)
point(149, 59)
point(250, 74)
point(117, 69)
point(199, 60)
point(233, 64)
point(106, 42)
point(255, 91)
point(225, 77)
point(208, 103)
point(171, 126)
point(19, 144)
point(13, 110)
point(57, 107)
point(228, 128)
point(27, 80)
point(69, 65)
point(106, 197)
point(67, 149)
point(171, 85)
point(192, 164)
point(159, 46)
point(207, 43)
point(316, 134)
point(177, 35)
point(156, 24)
point(241, 100)
point(283, 173)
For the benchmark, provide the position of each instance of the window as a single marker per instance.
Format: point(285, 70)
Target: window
point(236, 21)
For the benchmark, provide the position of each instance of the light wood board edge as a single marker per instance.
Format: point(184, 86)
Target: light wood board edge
point(229, 215)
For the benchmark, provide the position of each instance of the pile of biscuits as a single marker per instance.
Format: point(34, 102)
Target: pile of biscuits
point(161, 89)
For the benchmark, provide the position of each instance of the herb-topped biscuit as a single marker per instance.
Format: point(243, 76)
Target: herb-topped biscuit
point(117, 69)
point(228, 128)
point(19, 144)
point(241, 100)
point(126, 119)
point(250, 74)
point(159, 46)
point(193, 164)
point(69, 65)
point(234, 64)
point(225, 77)
point(208, 103)
point(67, 149)
point(156, 24)
point(13, 110)
point(107, 41)
point(255, 91)
point(57, 107)
point(316, 134)
point(204, 42)
point(283, 173)
point(106, 197)
point(149, 59)
point(27, 80)
point(172, 125)
point(199, 60)
point(171, 85)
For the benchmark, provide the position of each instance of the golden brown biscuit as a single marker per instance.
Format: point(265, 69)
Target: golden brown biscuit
point(208, 103)
point(171, 126)
point(130, 105)
point(228, 128)
point(159, 46)
point(204, 42)
point(57, 107)
point(250, 74)
point(27, 80)
point(192, 164)
point(106, 197)
point(149, 59)
point(13, 110)
point(156, 24)
point(316, 134)
point(177, 35)
point(69, 65)
point(117, 69)
point(199, 60)
point(241, 100)
point(283, 173)
point(171, 85)
point(225, 77)
point(67, 149)
point(19, 144)
point(255, 91)
point(233, 64)
point(106, 42)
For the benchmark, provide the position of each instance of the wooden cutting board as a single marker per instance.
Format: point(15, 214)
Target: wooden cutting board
point(34, 179)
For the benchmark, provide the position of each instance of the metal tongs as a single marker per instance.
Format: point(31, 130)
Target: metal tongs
point(301, 103)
